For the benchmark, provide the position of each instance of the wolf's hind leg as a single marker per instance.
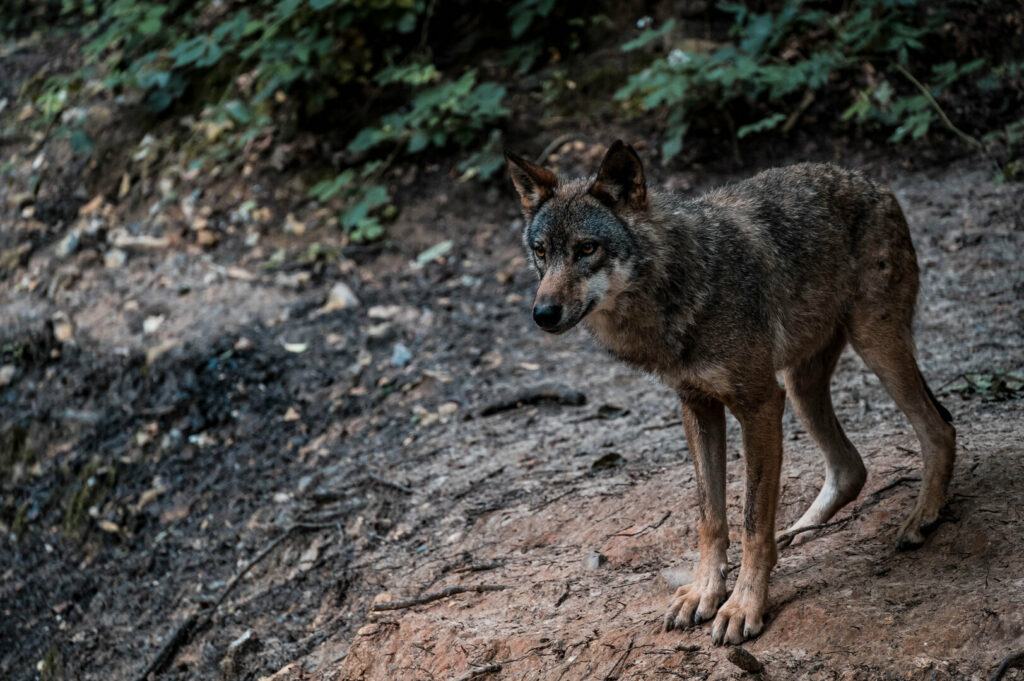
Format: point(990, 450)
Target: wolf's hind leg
point(808, 388)
point(889, 352)
point(698, 602)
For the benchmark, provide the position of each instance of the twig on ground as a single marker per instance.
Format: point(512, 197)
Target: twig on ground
point(554, 145)
point(390, 483)
point(557, 393)
point(613, 673)
point(1015, 661)
point(661, 426)
point(478, 567)
point(430, 598)
point(198, 620)
point(481, 671)
point(176, 640)
point(783, 539)
point(642, 529)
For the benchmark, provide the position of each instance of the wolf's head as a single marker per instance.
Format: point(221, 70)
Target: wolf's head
point(578, 234)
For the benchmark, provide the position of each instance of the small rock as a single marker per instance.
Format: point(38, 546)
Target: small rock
point(341, 297)
point(66, 246)
point(152, 323)
point(205, 237)
point(63, 329)
point(243, 344)
point(447, 409)
point(115, 257)
point(291, 415)
point(400, 356)
point(244, 644)
point(7, 372)
point(382, 597)
point(744, 660)
point(400, 531)
point(594, 560)
point(293, 226)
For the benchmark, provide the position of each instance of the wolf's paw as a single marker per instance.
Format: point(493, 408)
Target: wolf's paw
point(915, 528)
point(694, 603)
point(740, 618)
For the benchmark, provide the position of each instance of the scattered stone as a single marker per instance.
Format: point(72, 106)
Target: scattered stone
point(341, 297)
point(243, 344)
point(230, 665)
point(240, 273)
point(447, 409)
point(114, 258)
point(66, 246)
point(594, 560)
point(400, 531)
point(7, 373)
point(400, 356)
point(206, 237)
point(63, 329)
point(291, 415)
point(152, 323)
point(293, 226)
point(744, 660)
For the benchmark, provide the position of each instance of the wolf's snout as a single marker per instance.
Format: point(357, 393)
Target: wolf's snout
point(547, 315)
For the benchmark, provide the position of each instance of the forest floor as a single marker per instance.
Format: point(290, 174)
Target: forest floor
point(190, 437)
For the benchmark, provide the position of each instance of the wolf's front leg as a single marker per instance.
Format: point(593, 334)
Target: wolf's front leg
point(705, 431)
point(742, 616)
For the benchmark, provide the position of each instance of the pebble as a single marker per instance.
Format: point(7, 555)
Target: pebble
point(400, 356)
point(594, 560)
point(66, 246)
point(341, 297)
point(115, 257)
point(7, 372)
point(744, 660)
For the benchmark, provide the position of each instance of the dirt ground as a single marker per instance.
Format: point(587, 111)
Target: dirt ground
point(194, 415)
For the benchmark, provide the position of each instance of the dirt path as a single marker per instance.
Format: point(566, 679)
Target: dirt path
point(143, 486)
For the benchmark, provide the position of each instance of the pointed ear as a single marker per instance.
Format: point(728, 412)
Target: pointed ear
point(620, 181)
point(534, 184)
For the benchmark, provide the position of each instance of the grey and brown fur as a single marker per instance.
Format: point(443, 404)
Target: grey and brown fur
point(716, 295)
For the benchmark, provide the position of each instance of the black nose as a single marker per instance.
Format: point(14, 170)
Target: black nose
point(547, 315)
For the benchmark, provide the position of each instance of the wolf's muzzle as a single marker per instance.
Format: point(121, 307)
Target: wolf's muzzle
point(547, 315)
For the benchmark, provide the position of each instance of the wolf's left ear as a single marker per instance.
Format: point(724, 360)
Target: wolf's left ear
point(620, 181)
point(534, 184)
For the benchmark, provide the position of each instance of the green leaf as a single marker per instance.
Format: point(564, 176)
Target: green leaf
point(649, 35)
point(80, 142)
point(767, 123)
point(435, 252)
point(238, 111)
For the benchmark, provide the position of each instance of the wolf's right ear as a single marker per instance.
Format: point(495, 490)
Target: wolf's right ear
point(620, 181)
point(534, 184)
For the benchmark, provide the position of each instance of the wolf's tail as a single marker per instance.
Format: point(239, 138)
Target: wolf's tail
point(943, 412)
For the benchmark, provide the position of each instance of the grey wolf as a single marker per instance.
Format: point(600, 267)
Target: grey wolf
point(716, 295)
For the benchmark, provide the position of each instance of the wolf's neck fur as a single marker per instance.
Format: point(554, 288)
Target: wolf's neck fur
point(651, 322)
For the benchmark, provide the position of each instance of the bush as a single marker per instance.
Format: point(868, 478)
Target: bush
point(778, 62)
point(359, 72)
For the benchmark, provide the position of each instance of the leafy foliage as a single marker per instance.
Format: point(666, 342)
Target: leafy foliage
point(802, 49)
point(361, 70)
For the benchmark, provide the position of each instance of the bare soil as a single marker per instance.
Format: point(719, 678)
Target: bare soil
point(145, 465)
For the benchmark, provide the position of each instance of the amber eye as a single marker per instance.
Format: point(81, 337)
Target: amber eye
point(588, 248)
point(539, 252)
